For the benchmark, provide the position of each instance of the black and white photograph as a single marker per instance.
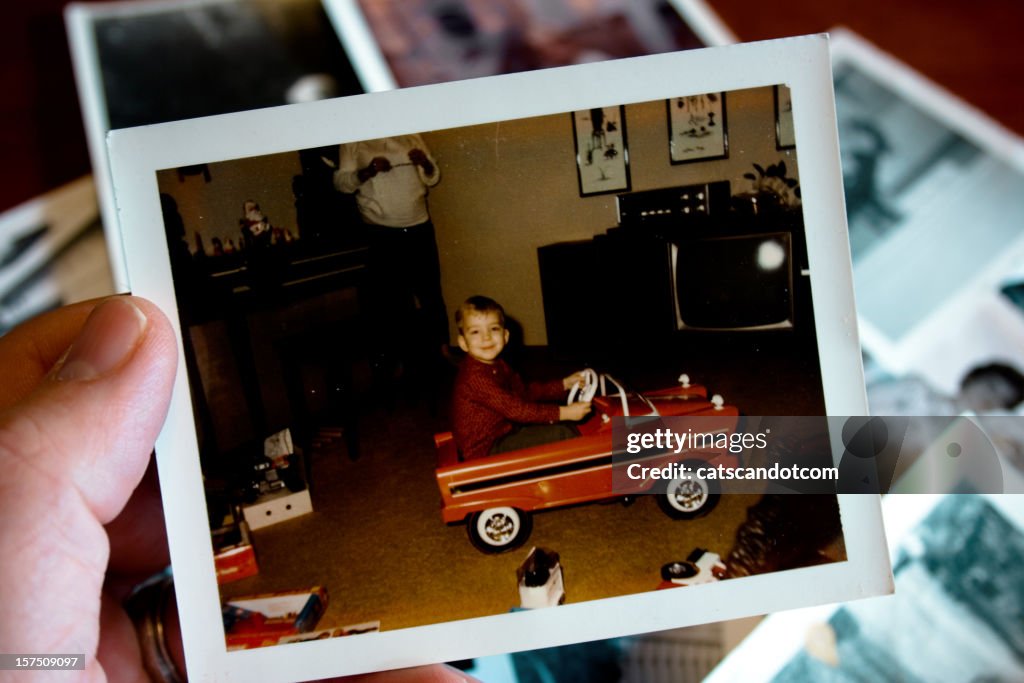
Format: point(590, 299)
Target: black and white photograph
point(956, 559)
point(336, 368)
point(958, 575)
point(159, 61)
point(922, 169)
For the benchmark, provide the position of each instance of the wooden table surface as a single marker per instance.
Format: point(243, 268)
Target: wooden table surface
point(971, 48)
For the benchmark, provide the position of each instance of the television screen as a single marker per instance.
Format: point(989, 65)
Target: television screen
point(733, 283)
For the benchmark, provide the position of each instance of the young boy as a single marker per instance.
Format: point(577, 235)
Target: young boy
point(493, 411)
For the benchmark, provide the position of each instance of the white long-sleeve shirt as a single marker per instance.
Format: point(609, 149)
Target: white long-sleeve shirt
point(395, 198)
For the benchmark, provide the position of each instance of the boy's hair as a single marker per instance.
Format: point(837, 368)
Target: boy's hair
point(478, 304)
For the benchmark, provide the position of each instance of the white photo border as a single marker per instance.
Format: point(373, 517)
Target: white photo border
point(802, 63)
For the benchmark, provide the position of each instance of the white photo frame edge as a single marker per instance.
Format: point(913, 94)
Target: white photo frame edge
point(802, 63)
point(77, 19)
point(356, 37)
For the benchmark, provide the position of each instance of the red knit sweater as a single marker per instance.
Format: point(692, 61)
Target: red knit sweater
point(490, 399)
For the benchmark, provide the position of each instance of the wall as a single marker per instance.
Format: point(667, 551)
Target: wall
point(506, 189)
point(510, 187)
point(214, 208)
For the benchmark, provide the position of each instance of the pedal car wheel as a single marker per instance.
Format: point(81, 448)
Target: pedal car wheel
point(688, 497)
point(496, 530)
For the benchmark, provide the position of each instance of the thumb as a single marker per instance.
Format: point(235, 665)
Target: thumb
point(71, 453)
point(92, 421)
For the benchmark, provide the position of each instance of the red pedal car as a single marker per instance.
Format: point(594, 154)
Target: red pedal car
point(496, 495)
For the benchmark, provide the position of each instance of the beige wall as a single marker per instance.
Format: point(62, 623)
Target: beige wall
point(506, 189)
point(214, 208)
point(510, 187)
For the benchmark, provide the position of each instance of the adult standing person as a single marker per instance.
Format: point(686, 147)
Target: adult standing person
point(390, 178)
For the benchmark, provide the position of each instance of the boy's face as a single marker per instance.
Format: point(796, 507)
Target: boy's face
point(483, 336)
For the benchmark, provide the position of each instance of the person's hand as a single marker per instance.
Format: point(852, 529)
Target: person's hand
point(419, 158)
point(574, 412)
point(85, 392)
point(572, 380)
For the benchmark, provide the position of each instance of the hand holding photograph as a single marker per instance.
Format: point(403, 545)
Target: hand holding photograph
point(344, 484)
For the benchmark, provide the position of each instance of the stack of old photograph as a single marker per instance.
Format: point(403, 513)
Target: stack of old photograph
point(364, 216)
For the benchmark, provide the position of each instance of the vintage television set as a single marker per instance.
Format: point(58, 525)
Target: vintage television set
point(680, 263)
point(732, 283)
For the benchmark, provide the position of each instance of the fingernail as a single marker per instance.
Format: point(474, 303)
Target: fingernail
point(462, 675)
point(110, 335)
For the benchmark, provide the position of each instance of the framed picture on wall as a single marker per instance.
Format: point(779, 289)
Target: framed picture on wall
point(697, 128)
point(785, 137)
point(602, 155)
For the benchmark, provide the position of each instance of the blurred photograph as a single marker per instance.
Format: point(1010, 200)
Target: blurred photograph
point(406, 43)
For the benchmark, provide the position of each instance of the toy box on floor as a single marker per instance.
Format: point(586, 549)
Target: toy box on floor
point(234, 556)
point(280, 506)
point(260, 620)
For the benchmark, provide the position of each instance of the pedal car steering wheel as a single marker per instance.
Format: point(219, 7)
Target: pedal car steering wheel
point(584, 392)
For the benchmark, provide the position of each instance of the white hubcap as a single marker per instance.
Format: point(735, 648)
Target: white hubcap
point(687, 495)
point(498, 526)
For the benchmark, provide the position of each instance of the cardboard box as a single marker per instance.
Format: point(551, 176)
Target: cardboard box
point(277, 507)
point(233, 555)
point(260, 620)
point(236, 563)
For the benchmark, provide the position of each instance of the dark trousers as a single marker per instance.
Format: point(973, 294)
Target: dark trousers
point(526, 436)
point(405, 307)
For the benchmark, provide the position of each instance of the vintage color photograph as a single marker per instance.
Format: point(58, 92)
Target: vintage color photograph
point(305, 311)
